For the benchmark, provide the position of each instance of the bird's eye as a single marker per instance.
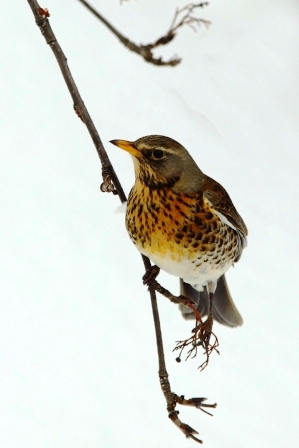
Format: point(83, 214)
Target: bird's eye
point(158, 154)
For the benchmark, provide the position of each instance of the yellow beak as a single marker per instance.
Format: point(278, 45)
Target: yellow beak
point(127, 146)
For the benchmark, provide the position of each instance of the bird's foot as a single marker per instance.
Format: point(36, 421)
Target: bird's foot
point(201, 337)
point(151, 275)
point(149, 279)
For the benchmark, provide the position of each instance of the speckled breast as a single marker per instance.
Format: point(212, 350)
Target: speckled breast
point(180, 233)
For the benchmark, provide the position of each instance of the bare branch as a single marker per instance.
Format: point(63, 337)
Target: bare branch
point(201, 338)
point(109, 177)
point(146, 50)
point(184, 16)
point(202, 333)
point(171, 398)
point(203, 330)
point(112, 184)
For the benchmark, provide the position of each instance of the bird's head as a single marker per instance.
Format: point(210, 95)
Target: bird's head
point(161, 161)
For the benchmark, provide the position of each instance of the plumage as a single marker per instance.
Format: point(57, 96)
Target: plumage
point(185, 222)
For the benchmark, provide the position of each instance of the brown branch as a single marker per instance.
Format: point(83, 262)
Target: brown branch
point(146, 50)
point(171, 398)
point(110, 180)
point(202, 332)
point(200, 338)
point(188, 18)
point(110, 183)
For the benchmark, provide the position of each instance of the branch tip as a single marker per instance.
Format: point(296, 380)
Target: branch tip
point(146, 51)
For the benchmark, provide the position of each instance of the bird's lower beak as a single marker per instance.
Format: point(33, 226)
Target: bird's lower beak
point(127, 146)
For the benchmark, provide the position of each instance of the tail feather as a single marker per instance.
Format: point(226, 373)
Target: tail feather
point(224, 309)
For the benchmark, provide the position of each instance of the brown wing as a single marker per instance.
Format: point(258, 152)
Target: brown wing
point(222, 203)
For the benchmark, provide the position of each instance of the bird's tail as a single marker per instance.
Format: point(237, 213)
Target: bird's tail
point(224, 309)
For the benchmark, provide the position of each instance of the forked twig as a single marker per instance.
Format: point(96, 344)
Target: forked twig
point(200, 338)
point(112, 184)
point(183, 16)
point(202, 332)
point(146, 51)
point(171, 398)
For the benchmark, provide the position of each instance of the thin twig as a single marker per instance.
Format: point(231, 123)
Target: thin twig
point(187, 18)
point(110, 180)
point(201, 334)
point(171, 398)
point(146, 50)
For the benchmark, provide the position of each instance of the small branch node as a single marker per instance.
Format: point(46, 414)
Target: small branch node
point(107, 186)
point(44, 12)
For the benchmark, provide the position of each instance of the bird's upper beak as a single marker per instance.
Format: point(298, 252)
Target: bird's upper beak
point(127, 146)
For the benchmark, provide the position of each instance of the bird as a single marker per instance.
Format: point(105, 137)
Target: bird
point(185, 223)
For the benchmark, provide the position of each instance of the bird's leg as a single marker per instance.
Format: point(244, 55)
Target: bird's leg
point(206, 327)
point(211, 296)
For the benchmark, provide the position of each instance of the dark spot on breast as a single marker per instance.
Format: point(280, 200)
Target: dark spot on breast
point(197, 220)
point(140, 210)
point(154, 207)
point(133, 208)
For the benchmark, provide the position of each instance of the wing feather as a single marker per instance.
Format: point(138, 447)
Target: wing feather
point(223, 206)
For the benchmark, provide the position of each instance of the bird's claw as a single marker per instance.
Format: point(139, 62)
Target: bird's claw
point(151, 275)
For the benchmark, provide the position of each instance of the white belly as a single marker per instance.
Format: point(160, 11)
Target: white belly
point(197, 272)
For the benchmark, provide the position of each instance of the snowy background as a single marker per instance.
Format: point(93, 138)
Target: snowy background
point(77, 355)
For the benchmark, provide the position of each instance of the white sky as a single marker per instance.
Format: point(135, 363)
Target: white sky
point(77, 348)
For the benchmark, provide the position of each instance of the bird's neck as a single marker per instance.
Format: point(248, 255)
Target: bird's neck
point(147, 178)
